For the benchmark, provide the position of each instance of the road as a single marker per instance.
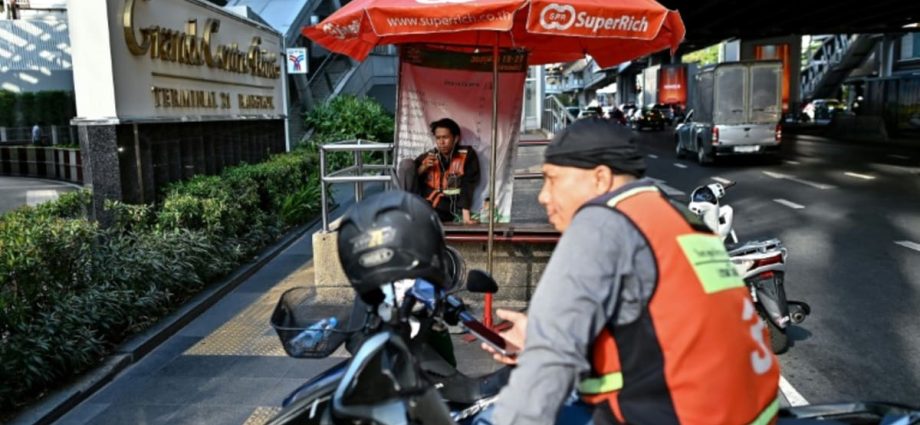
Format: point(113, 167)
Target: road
point(18, 191)
point(850, 218)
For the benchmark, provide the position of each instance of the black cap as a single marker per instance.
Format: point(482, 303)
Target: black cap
point(590, 142)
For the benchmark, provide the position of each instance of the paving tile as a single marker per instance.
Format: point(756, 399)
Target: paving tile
point(200, 414)
point(82, 416)
point(219, 314)
point(159, 357)
point(228, 391)
point(197, 366)
point(259, 367)
point(155, 390)
point(137, 415)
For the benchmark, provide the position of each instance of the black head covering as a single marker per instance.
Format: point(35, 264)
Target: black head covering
point(590, 142)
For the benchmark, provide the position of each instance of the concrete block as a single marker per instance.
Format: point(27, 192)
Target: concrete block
point(329, 277)
point(516, 268)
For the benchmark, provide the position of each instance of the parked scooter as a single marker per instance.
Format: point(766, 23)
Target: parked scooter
point(411, 316)
point(762, 265)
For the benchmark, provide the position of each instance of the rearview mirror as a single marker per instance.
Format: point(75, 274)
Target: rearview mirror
point(480, 282)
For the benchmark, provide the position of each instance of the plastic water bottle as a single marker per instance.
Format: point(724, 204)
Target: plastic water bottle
point(310, 337)
point(486, 211)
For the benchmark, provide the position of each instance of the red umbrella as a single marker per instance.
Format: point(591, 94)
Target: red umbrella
point(610, 31)
point(550, 30)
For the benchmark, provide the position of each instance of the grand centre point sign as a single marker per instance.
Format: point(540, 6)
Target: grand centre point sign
point(174, 59)
point(188, 48)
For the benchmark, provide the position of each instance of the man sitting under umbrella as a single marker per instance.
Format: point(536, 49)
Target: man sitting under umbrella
point(446, 175)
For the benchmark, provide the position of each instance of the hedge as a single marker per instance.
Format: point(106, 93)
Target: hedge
point(27, 109)
point(70, 290)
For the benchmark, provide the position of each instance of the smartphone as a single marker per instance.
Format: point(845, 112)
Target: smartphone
point(491, 338)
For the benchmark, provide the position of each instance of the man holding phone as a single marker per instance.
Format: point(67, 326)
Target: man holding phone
point(446, 175)
point(639, 307)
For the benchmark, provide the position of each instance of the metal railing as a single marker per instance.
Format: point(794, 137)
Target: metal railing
point(50, 135)
point(358, 173)
point(555, 115)
point(328, 75)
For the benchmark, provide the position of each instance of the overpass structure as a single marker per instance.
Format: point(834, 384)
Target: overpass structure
point(872, 46)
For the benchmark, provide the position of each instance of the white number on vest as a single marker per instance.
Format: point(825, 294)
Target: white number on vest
point(761, 359)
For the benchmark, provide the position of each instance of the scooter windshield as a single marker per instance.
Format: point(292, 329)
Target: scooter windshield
point(703, 194)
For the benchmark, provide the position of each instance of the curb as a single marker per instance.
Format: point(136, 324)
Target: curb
point(58, 403)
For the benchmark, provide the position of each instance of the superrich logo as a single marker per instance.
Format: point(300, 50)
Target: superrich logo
point(557, 16)
point(343, 32)
point(562, 17)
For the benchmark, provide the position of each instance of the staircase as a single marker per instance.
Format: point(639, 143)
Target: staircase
point(830, 64)
point(555, 115)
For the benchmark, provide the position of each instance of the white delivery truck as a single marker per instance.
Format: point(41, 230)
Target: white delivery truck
point(735, 110)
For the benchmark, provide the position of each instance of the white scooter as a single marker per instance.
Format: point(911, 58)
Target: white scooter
point(762, 264)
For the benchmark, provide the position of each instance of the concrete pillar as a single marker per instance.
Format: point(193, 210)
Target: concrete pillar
point(99, 149)
point(54, 135)
point(748, 52)
point(2, 134)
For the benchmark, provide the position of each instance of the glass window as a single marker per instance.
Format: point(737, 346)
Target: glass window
point(910, 46)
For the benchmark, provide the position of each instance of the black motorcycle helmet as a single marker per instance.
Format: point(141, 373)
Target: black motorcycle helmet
point(391, 236)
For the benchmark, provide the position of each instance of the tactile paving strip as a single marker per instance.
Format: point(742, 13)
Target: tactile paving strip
point(249, 333)
point(261, 415)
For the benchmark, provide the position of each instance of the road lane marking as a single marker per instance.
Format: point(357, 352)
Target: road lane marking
point(679, 165)
point(789, 204)
point(860, 176)
point(815, 185)
point(669, 190)
point(721, 180)
point(791, 162)
point(35, 197)
point(910, 245)
point(896, 156)
point(794, 397)
point(653, 156)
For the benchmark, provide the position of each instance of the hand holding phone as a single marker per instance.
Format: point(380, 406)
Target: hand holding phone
point(513, 338)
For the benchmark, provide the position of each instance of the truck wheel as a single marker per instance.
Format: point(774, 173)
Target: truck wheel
point(701, 156)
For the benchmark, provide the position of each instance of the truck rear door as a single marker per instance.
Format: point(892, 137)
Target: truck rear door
point(752, 97)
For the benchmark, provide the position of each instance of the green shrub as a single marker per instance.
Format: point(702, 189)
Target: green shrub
point(27, 109)
point(70, 290)
point(348, 117)
point(7, 108)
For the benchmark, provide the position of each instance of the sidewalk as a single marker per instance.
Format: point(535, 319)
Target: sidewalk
point(227, 366)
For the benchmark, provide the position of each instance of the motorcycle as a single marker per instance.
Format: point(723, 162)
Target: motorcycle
point(411, 317)
point(385, 382)
point(761, 264)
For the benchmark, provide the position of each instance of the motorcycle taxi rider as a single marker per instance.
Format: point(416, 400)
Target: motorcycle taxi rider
point(639, 307)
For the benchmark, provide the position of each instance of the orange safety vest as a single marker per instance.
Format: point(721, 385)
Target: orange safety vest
point(437, 180)
point(698, 353)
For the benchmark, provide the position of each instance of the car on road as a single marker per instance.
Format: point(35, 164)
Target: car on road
point(648, 117)
point(667, 111)
point(822, 111)
point(593, 111)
